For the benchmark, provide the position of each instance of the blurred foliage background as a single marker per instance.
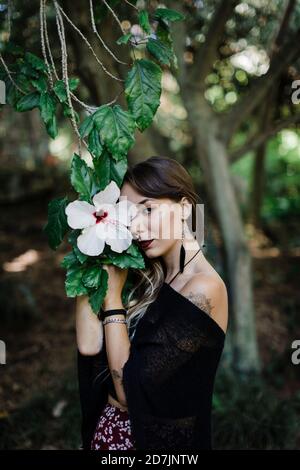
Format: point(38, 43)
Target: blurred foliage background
point(228, 116)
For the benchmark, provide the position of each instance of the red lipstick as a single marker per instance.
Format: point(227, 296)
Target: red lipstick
point(145, 244)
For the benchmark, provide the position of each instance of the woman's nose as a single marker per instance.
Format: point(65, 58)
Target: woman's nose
point(136, 227)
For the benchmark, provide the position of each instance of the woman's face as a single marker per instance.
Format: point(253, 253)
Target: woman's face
point(156, 219)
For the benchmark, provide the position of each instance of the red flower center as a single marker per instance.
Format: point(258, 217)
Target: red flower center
point(99, 217)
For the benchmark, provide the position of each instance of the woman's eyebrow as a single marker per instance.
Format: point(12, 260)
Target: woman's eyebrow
point(144, 200)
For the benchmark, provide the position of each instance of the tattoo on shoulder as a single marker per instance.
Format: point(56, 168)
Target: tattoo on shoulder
point(201, 301)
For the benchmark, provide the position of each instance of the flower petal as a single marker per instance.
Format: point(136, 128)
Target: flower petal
point(109, 195)
point(118, 237)
point(89, 243)
point(102, 229)
point(125, 212)
point(80, 214)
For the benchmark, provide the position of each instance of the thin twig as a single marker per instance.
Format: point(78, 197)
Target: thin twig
point(42, 33)
point(89, 45)
point(100, 38)
point(90, 109)
point(64, 56)
point(114, 14)
point(9, 74)
point(131, 4)
point(8, 18)
point(48, 43)
point(119, 23)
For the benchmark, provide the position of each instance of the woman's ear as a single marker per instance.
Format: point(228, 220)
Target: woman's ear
point(187, 208)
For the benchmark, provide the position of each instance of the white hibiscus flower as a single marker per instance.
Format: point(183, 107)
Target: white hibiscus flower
point(104, 222)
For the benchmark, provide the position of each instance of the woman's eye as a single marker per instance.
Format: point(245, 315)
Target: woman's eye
point(148, 209)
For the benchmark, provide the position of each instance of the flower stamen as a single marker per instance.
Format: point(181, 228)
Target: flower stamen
point(99, 217)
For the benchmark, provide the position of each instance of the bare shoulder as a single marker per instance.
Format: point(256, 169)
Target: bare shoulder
point(209, 292)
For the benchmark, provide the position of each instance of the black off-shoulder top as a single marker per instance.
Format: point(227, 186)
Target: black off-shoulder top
point(168, 378)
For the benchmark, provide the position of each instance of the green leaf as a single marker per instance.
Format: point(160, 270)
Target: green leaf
point(35, 62)
point(102, 169)
point(23, 82)
point(82, 178)
point(144, 21)
point(86, 126)
point(116, 128)
point(28, 102)
point(51, 127)
point(59, 88)
point(70, 260)
point(13, 95)
point(163, 34)
point(143, 90)
point(107, 169)
point(134, 250)
point(68, 113)
point(47, 107)
point(124, 39)
point(57, 225)
point(92, 277)
point(73, 283)
point(126, 260)
point(97, 296)
point(81, 257)
point(118, 170)
point(168, 14)
point(40, 84)
point(94, 143)
point(160, 50)
point(26, 69)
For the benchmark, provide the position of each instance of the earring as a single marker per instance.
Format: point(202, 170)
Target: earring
point(182, 249)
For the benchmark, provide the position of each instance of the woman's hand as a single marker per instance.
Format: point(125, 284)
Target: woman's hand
point(116, 281)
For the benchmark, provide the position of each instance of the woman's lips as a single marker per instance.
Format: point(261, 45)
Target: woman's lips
point(145, 244)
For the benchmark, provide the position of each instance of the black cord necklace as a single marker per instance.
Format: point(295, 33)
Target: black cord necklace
point(184, 266)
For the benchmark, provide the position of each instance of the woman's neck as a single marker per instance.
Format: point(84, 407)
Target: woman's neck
point(171, 259)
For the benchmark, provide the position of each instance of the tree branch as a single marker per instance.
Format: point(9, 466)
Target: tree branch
point(207, 53)
point(256, 140)
point(231, 120)
point(283, 26)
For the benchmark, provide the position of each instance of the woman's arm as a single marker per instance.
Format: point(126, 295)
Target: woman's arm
point(117, 347)
point(88, 329)
point(116, 335)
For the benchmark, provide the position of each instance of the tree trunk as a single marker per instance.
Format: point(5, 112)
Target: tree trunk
point(257, 185)
point(213, 159)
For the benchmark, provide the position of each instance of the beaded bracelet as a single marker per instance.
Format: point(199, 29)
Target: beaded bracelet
point(106, 313)
point(114, 320)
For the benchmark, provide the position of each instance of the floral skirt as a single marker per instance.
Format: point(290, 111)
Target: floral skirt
point(113, 430)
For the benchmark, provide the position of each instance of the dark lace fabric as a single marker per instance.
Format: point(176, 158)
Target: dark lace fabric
point(168, 378)
point(95, 382)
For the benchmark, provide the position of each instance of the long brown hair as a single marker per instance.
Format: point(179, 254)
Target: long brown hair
point(156, 177)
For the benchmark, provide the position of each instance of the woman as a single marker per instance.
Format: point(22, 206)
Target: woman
point(148, 382)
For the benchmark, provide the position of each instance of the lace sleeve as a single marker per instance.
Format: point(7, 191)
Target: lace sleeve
point(92, 393)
